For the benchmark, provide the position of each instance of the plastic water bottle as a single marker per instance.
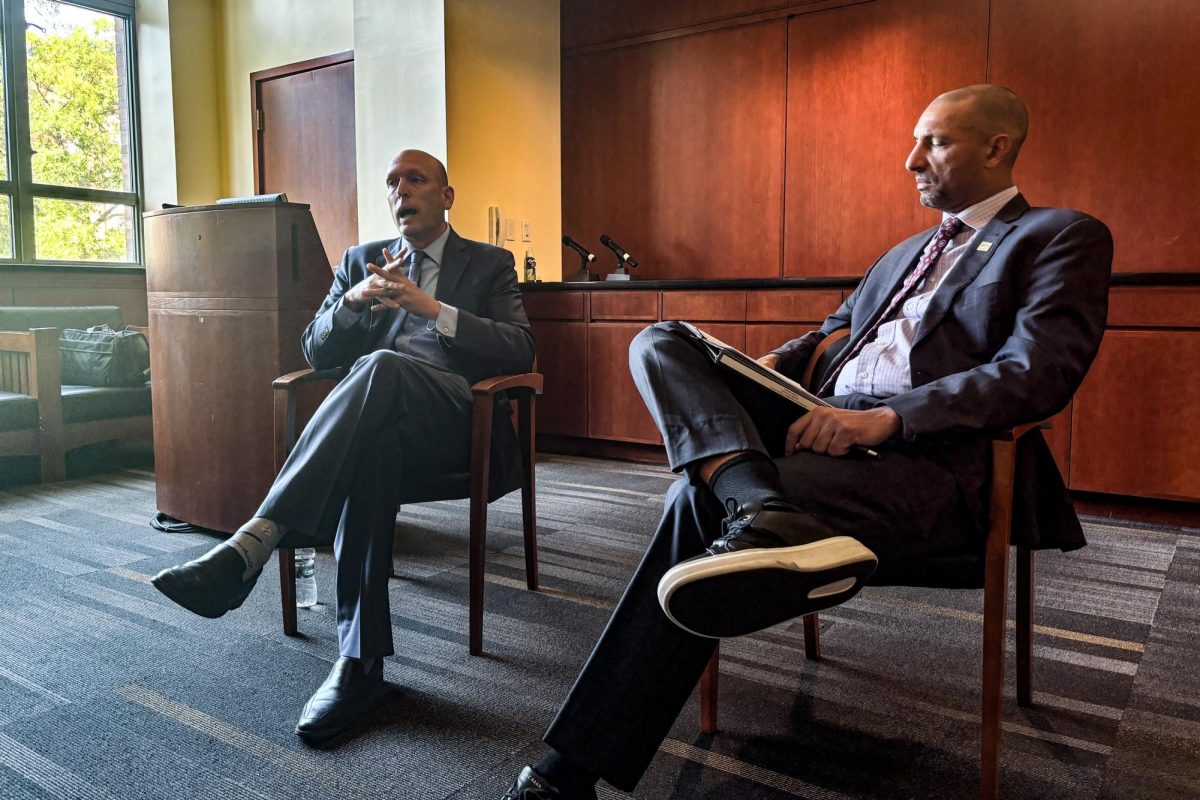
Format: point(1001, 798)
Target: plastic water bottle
point(306, 577)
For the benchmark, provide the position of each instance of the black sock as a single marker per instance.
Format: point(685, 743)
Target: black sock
point(566, 776)
point(750, 477)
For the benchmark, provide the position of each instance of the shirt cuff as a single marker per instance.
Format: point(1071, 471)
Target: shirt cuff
point(447, 321)
point(344, 317)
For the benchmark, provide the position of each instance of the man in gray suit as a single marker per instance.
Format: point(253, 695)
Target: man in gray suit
point(986, 322)
point(417, 319)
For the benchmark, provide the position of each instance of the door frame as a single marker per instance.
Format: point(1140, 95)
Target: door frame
point(257, 79)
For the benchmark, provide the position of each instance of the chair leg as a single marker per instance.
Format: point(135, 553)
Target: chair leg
point(812, 637)
point(708, 692)
point(1025, 565)
point(525, 422)
point(287, 589)
point(995, 616)
point(481, 456)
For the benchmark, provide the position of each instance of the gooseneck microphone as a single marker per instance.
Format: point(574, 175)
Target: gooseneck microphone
point(622, 256)
point(584, 253)
point(585, 256)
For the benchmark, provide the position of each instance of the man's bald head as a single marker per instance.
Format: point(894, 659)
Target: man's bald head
point(419, 194)
point(436, 169)
point(992, 109)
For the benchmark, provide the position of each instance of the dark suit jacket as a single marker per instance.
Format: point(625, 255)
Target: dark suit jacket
point(493, 336)
point(1006, 339)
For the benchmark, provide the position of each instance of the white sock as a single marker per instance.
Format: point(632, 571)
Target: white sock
point(255, 541)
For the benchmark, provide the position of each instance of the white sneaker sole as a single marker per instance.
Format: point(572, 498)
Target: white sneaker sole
point(733, 594)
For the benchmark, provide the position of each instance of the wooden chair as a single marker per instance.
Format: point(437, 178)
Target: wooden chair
point(66, 417)
point(29, 367)
point(995, 597)
point(476, 484)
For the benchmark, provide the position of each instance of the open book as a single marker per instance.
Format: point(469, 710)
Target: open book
point(743, 364)
point(780, 384)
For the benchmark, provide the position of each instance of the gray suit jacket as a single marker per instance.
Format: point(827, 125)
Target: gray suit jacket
point(478, 279)
point(493, 336)
point(1006, 339)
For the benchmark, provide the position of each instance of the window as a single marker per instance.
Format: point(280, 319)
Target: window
point(69, 182)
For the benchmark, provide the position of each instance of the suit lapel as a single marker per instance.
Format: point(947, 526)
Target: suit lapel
point(454, 264)
point(983, 247)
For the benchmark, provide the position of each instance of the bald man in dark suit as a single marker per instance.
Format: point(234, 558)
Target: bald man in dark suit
point(988, 321)
point(417, 319)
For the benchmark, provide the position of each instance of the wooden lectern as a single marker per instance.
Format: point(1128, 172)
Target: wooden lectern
point(230, 289)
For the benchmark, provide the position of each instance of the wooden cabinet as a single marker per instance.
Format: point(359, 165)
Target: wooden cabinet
point(615, 408)
point(562, 353)
point(1130, 429)
point(1135, 427)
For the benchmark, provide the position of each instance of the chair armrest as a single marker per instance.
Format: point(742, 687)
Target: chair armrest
point(531, 381)
point(1016, 432)
point(818, 353)
point(33, 369)
point(301, 376)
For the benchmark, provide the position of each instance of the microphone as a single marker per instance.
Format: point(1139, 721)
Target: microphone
point(622, 256)
point(584, 253)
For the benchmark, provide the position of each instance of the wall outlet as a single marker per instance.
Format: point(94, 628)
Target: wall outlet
point(510, 229)
point(525, 230)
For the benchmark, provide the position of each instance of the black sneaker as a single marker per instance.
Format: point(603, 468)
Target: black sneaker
point(529, 785)
point(772, 563)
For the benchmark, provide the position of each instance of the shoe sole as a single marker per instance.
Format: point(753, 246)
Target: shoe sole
point(733, 594)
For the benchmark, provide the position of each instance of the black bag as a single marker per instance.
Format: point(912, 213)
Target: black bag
point(101, 356)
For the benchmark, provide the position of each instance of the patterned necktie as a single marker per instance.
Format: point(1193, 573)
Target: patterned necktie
point(411, 324)
point(946, 231)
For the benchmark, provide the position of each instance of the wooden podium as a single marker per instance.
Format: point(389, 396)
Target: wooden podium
point(230, 289)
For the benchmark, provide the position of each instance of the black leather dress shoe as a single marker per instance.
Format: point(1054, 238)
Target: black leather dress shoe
point(531, 786)
point(210, 585)
point(340, 701)
point(772, 563)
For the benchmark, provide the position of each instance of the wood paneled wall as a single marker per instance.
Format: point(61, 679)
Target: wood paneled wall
point(759, 139)
point(672, 147)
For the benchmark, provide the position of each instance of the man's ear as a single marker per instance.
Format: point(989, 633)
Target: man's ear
point(448, 197)
point(999, 147)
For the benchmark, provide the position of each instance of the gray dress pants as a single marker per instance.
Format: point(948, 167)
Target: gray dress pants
point(905, 506)
point(390, 415)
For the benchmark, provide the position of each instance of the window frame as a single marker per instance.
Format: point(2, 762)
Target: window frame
point(19, 186)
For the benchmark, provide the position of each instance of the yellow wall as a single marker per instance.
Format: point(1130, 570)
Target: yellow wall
point(259, 34)
point(502, 106)
point(494, 77)
point(196, 98)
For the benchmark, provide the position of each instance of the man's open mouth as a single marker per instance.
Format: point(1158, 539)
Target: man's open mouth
point(405, 212)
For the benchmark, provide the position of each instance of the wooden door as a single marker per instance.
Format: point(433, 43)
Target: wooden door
point(304, 143)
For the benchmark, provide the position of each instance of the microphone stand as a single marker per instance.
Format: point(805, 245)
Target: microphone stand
point(582, 275)
point(620, 273)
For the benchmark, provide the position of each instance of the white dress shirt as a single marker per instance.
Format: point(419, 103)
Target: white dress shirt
point(881, 369)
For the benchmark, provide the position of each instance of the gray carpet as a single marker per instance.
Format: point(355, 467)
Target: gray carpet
point(109, 691)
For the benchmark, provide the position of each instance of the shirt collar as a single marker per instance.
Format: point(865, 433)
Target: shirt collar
point(436, 248)
point(980, 214)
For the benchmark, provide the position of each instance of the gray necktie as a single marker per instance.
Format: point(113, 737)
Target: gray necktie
point(414, 324)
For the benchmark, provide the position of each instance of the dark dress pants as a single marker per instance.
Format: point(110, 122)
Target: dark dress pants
point(904, 506)
point(390, 415)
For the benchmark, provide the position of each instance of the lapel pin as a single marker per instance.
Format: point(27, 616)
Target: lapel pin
point(984, 247)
